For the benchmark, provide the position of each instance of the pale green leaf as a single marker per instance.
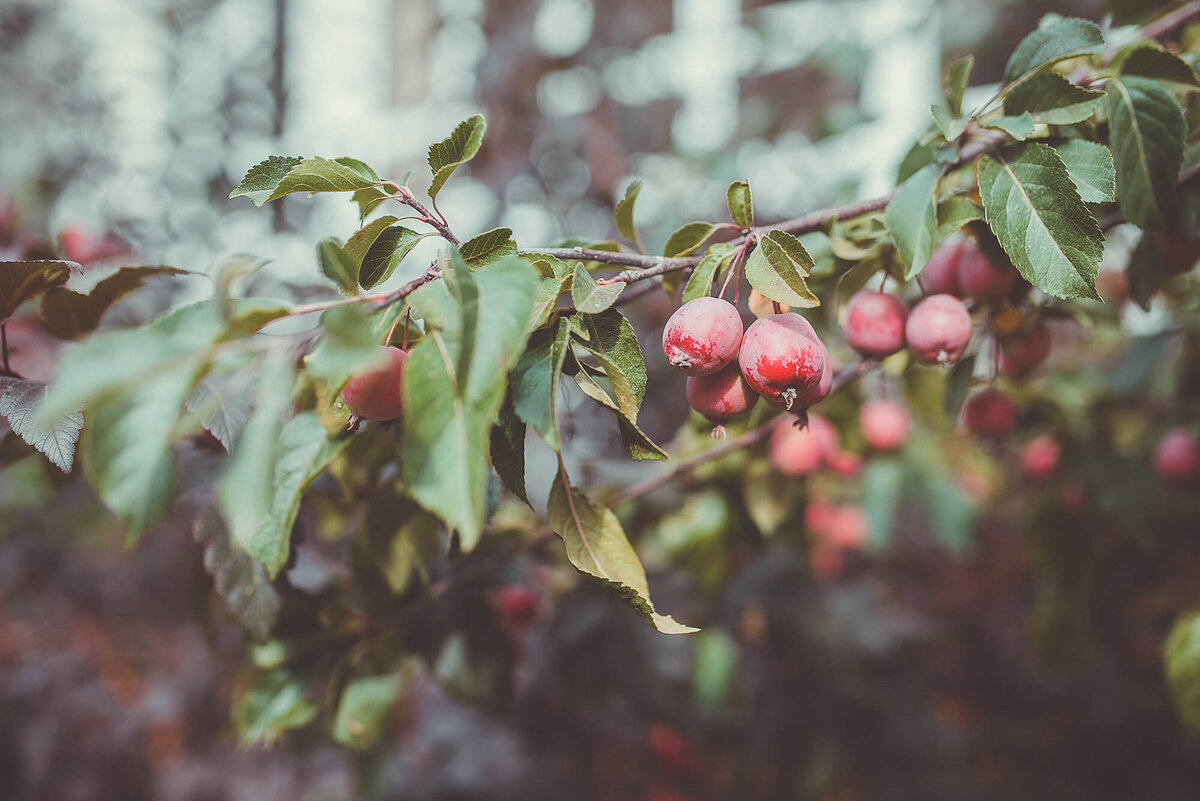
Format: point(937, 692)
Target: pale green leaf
point(589, 295)
point(912, 218)
point(623, 213)
point(957, 78)
point(1056, 38)
point(455, 150)
point(1090, 165)
point(954, 212)
point(365, 705)
point(950, 126)
point(338, 267)
point(536, 377)
point(317, 175)
point(716, 260)
point(271, 705)
point(740, 204)
point(19, 405)
point(348, 346)
point(360, 243)
point(1019, 127)
point(777, 268)
point(262, 178)
point(488, 247)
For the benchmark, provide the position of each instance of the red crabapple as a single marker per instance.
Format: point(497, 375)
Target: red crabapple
point(847, 527)
point(884, 424)
point(983, 279)
point(797, 451)
point(376, 394)
point(702, 336)
point(1039, 457)
point(940, 276)
point(817, 393)
point(989, 413)
point(518, 606)
point(1021, 352)
point(782, 358)
point(938, 329)
point(1177, 455)
point(721, 397)
point(874, 323)
point(845, 463)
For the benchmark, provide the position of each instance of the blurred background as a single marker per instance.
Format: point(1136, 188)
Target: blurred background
point(948, 672)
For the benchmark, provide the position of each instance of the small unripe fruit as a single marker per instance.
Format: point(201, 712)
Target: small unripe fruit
point(989, 413)
point(938, 329)
point(782, 358)
point(702, 336)
point(884, 424)
point(983, 279)
point(1177, 456)
point(874, 324)
point(376, 394)
point(797, 451)
point(940, 276)
point(722, 396)
point(1039, 457)
point(1023, 351)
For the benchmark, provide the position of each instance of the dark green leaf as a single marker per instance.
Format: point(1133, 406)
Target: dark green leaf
point(927, 150)
point(716, 259)
point(536, 377)
point(610, 338)
point(688, 238)
point(1056, 38)
point(589, 295)
point(455, 150)
point(56, 439)
point(1035, 211)
point(740, 203)
point(1051, 98)
point(508, 449)
point(1149, 60)
point(240, 582)
point(954, 212)
point(70, 314)
point(597, 545)
point(623, 213)
point(360, 243)
point(1146, 133)
point(385, 254)
point(777, 268)
point(958, 384)
point(1146, 270)
point(1090, 165)
point(262, 179)
point(337, 266)
point(488, 247)
point(912, 218)
point(639, 446)
point(24, 280)
point(957, 78)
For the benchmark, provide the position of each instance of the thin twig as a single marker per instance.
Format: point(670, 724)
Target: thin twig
point(1164, 25)
point(4, 345)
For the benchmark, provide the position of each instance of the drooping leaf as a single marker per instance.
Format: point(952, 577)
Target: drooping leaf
point(639, 446)
point(1090, 165)
point(716, 260)
point(777, 268)
point(24, 280)
point(70, 315)
point(688, 238)
point(455, 150)
point(1035, 211)
point(1148, 60)
point(611, 340)
point(740, 204)
point(596, 545)
point(1056, 38)
point(262, 178)
point(1146, 132)
point(912, 218)
point(536, 377)
point(957, 78)
point(337, 266)
point(488, 247)
point(508, 449)
point(589, 295)
point(270, 705)
point(386, 253)
point(455, 380)
point(954, 212)
point(1050, 98)
point(240, 582)
point(1181, 661)
point(623, 213)
point(365, 706)
point(1146, 270)
point(19, 405)
point(1020, 127)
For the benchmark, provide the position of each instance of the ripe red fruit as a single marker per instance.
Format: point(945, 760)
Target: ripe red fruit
point(1039, 457)
point(782, 359)
point(983, 279)
point(518, 606)
point(847, 527)
point(874, 323)
point(1179, 254)
point(938, 329)
point(375, 394)
point(989, 413)
point(722, 396)
point(1177, 455)
point(940, 276)
point(884, 424)
point(702, 336)
point(1021, 352)
point(797, 451)
point(674, 752)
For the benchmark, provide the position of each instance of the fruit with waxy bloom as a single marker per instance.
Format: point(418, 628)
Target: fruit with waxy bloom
point(874, 323)
point(940, 276)
point(702, 336)
point(989, 413)
point(1177, 456)
point(798, 450)
point(783, 360)
point(938, 329)
point(985, 280)
point(377, 393)
point(1039, 457)
point(884, 424)
point(722, 396)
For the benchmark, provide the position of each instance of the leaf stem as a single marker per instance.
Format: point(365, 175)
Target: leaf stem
point(4, 346)
point(436, 220)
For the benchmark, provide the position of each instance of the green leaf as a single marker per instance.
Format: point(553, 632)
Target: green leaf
point(623, 213)
point(240, 582)
point(56, 439)
point(365, 706)
point(311, 175)
point(716, 259)
point(1146, 132)
point(950, 126)
point(536, 377)
point(416, 543)
point(360, 167)
point(769, 496)
point(954, 212)
point(929, 149)
point(226, 404)
point(1148, 60)
point(1181, 661)
point(1020, 127)
point(589, 295)
point(337, 266)
point(956, 83)
point(349, 345)
point(688, 238)
point(368, 199)
point(1051, 98)
point(639, 446)
point(508, 449)
point(244, 490)
point(24, 280)
point(70, 315)
point(1090, 165)
point(1056, 38)
point(489, 247)
point(883, 489)
point(912, 218)
point(597, 545)
point(777, 268)
point(1035, 211)
point(611, 340)
point(1146, 270)
point(271, 705)
point(455, 150)
point(958, 384)
point(385, 254)
point(740, 203)
point(262, 178)
point(360, 243)
point(455, 385)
